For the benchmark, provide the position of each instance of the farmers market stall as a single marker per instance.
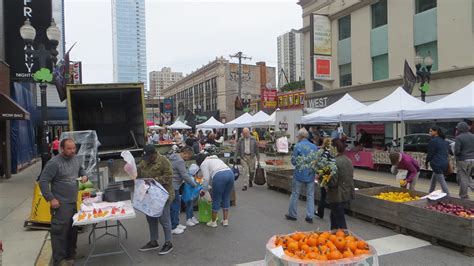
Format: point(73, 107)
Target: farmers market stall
point(179, 125)
point(333, 113)
point(211, 123)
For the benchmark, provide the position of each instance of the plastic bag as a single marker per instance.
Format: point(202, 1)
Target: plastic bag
point(130, 167)
point(282, 145)
point(153, 201)
point(190, 193)
point(204, 210)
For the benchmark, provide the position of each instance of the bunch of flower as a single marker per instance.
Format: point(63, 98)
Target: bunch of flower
point(325, 168)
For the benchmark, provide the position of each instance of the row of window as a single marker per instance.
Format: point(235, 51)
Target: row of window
point(380, 64)
point(379, 13)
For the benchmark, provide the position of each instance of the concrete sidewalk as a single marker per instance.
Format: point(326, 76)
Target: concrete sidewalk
point(21, 246)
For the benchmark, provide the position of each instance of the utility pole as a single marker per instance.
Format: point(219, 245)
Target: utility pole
point(240, 56)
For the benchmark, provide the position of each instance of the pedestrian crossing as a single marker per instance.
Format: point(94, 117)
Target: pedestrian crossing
point(383, 246)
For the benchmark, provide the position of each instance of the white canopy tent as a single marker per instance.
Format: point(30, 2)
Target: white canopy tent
point(459, 104)
point(259, 118)
point(179, 125)
point(333, 112)
point(270, 121)
point(155, 127)
point(211, 123)
point(389, 109)
point(239, 122)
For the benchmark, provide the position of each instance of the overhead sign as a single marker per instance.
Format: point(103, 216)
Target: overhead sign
point(322, 67)
point(324, 101)
point(15, 13)
point(291, 100)
point(269, 98)
point(321, 35)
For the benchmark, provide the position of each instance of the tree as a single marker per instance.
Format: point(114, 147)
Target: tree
point(292, 86)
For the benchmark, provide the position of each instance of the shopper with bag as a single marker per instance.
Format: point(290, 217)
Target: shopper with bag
point(437, 158)
point(180, 175)
point(157, 167)
point(216, 173)
point(403, 161)
point(190, 195)
point(247, 150)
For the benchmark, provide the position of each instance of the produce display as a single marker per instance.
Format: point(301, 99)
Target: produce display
point(396, 196)
point(166, 142)
point(453, 209)
point(322, 246)
point(87, 186)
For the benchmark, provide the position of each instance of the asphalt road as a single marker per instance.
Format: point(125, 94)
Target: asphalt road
point(259, 214)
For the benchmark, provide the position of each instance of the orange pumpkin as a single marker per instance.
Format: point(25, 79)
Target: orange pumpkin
point(361, 244)
point(332, 238)
point(293, 246)
point(340, 243)
point(335, 255)
point(352, 245)
point(350, 238)
point(331, 246)
point(347, 254)
point(340, 233)
point(312, 242)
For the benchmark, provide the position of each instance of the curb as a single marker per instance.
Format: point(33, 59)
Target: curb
point(45, 255)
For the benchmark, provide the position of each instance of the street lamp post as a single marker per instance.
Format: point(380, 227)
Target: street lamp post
point(423, 73)
point(28, 33)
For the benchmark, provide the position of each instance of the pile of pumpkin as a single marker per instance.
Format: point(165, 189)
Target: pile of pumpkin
point(322, 246)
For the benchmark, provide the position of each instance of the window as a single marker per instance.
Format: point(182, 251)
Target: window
point(379, 14)
point(345, 27)
point(345, 75)
point(380, 67)
point(423, 5)
point(430, 49)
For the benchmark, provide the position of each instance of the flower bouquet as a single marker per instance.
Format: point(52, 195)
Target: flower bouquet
point(325, 167)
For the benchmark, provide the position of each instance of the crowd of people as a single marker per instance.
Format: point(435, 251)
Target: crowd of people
point(58, 180)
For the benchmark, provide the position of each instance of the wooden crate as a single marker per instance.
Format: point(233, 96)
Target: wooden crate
point(437, 225)
point(280, 179)
point(382, 210)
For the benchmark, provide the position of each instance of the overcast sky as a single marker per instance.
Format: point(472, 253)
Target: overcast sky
point(182, 35)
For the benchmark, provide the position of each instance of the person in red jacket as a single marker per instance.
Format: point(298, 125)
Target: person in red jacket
point(404, 161)
point(55, 146)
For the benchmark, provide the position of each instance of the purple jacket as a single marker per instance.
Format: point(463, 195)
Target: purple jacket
point(409, 164)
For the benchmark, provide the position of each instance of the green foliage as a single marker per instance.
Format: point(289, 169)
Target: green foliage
point(292, 86)
point(43, 75)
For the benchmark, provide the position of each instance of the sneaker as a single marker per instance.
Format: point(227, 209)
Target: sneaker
point(225, 222)
point(309, 220)
point(150, 246)
point(177, 231)
point(244, 188)
point(182, 227)
point(167, 248)
point(288, 217)
point(212, 224)
point(190, 222)
point(195, 220)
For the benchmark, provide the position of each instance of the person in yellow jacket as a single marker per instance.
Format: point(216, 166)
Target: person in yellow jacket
point(255, 134)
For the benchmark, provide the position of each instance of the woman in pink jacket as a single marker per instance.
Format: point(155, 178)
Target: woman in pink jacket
point(404, 161)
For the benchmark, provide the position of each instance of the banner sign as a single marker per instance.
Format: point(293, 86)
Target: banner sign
point(15, 12)
point(168, 106)
point(322, 67)
point(291, 100)
point(269, 98)
point(321, 35)
point(75, 72)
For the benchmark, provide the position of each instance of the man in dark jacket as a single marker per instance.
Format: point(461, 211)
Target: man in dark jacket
point(340, 188)
point(247, 150)
point(464, 152)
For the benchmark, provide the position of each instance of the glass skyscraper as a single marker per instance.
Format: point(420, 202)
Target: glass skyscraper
point(129, 40)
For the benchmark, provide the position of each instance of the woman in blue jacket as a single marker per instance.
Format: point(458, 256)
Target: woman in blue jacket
point(437, 158)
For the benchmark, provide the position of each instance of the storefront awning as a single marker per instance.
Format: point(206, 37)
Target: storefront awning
point(10, 110)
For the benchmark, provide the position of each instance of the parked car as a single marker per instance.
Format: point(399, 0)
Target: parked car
point(419, 142)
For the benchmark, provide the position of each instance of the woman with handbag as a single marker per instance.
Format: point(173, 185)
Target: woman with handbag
point(220, 176)
point(437, 157)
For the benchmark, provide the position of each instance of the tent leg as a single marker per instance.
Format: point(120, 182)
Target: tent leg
point(402, 136)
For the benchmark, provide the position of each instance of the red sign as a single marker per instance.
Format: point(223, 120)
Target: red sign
point(372, 128)
point(322, 67)
point(269, 98)
point(291, 100)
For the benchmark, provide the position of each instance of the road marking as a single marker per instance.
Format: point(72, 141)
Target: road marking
point(383, 246)
point(396, 243)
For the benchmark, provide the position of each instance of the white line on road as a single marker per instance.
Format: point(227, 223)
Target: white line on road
point(383, 246)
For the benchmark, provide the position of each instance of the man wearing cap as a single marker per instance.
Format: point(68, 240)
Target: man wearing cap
point(247, 150)
point(180, 175)
point(157, 167)
point(464, 152)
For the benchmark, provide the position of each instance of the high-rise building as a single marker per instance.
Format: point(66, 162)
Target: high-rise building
point(160, 80)
point(290, 57)
point(129, 40)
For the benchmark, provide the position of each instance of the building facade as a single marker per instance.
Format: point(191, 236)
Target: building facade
point(129, 41)
point(215, 87)
point(162, 79)
point(369, 42)
point(290, 57)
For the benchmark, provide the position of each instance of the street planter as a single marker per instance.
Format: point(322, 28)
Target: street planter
point(439, 226)
point(379, 211)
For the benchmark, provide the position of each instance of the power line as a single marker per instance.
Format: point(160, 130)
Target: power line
point(240, 56)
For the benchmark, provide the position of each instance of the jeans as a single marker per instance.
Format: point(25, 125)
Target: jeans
point(165, 221)
point(322, 202)
point(411, 186)
point(338, 221)
point(189, 209)
point(222, 185)
point(175, 209)
point(440, 179)
point(63, 234)
point(464, 170)
point(295, 193)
